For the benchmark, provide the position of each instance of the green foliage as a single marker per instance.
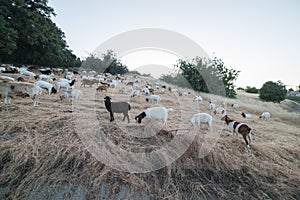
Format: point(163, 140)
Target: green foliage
point(252, 90)
point(28, 36)
point(294, 98)
point(204, 75)
point(273, 91)
point(108, 63)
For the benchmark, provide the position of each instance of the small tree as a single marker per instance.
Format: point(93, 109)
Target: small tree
point(273, 91)
point(252, 90)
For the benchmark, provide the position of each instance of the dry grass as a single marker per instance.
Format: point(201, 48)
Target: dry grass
point(43, 155)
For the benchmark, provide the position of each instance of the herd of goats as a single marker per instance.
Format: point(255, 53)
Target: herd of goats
point(23, 81)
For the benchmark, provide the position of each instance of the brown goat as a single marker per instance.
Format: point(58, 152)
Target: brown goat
point(237, 127)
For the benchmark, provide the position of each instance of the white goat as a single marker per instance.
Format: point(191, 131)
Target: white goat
point(265, 116)
point(212, 106)
point(48, 78)
point(198, 98)
point(24, 71)
point(10, 88)
point(146, 90)
point(72, 93)
point(64, 84)
point(247, 116)
point(220, 111)
point(159, 113)
point(202, 118)
point(46, 85)
point(235, 106)
point(153, 98)
point(135, 93)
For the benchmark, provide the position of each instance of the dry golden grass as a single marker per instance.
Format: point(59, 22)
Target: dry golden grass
point(43, 155)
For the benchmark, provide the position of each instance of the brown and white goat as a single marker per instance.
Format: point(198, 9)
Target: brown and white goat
point(237, 127)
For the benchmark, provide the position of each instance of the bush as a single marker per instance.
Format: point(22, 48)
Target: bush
point(252, 90)
point(273, 91)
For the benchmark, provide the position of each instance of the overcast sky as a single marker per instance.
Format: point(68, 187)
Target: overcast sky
point(261, 38)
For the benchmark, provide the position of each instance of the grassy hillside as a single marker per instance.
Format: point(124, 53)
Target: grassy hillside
point(44, 154)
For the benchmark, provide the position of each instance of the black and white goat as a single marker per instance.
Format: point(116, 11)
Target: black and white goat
point(117, 107)
point(159, 113)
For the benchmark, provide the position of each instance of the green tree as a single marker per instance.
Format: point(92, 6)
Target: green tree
point(204, 75)
point(108, 63)
point(273, 91)
point(28, 36)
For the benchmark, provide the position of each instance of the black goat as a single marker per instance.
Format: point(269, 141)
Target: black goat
point(117, 107)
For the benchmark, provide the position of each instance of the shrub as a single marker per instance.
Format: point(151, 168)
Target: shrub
point(273, 91)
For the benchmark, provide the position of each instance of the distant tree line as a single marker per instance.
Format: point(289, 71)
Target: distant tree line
point(107, 63)
point(28, 35)
point(203, 75)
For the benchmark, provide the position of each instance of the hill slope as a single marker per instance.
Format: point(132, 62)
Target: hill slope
point(44, 155)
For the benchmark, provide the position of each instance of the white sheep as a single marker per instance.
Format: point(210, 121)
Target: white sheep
point(71, 93)
point(202, 118)
point(153, 98)
point(10, 88)
point(159, 113)
point(265, 116)
point(46, 85)
point(198, 98)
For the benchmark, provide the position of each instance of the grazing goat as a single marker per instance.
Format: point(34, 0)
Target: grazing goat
point(202, 118)
point(102, 88)
point(247, 116)
point(135, 93)
point(49, 78)
point(220, 111)
point(235, 106)
point(46, 85)
point(237, 127)
point(64, 84)
point(9, 88)
point(265, 116)
point(160, 113)
point(198, 98)
point(117, 107)
point(153, 98)
point(72, 93)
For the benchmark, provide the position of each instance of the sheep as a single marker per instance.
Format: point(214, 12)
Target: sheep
point(152, 98)
point(204, 118)
point(46, 85)
point(265, 116)
point(102, 88)
point(9, 88)
point(237, 127)
point(64, 84)
point(117, 107)
point(72, 93)
point(247, 116)
point(159, 113)
point(198, 98)
point(220, 111)
point(235, 106)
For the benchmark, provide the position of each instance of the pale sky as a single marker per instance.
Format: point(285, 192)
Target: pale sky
point(261, 38)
